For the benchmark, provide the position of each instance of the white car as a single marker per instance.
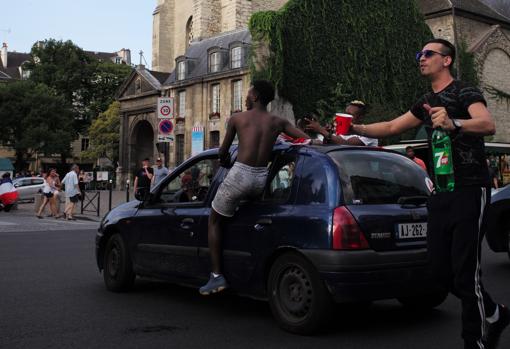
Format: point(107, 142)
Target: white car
point(28, 187)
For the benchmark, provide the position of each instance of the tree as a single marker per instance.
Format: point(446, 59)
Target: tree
point(86, 84)
point(104, 134)
point(34, 118)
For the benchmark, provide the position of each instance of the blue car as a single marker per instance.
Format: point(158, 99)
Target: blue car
point(498, 229)
point(334, 224)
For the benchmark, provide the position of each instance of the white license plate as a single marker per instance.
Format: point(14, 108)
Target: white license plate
point(412, 230)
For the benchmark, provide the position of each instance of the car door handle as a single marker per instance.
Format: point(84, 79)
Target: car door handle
point(261, 223)
point(264, 221)
point(186, 223)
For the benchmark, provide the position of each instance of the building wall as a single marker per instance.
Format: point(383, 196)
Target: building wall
point(442, 27)
point(494, 75)
point(210, 17)
point(199, 106)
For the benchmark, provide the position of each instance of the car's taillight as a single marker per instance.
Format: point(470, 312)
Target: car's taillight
point(347, 234)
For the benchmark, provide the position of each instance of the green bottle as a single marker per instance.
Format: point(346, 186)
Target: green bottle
point(443, 161)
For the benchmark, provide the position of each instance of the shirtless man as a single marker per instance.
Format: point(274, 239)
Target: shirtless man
point(257, 131)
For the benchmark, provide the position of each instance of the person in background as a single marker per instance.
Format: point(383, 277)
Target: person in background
point(160, 171)
point(51, 184)
point(493, 176)
point(358, 111)
point(8, 193)
point(410, 154)
point(72, 191)
point(143, 180)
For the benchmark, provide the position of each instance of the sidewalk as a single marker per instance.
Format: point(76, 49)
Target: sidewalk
point(90, 204)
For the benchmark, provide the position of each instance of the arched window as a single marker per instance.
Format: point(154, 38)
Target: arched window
point(189, 31)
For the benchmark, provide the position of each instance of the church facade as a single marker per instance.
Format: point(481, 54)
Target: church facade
point(200, 54)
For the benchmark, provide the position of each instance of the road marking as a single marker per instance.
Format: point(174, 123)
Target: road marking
point(7, 223)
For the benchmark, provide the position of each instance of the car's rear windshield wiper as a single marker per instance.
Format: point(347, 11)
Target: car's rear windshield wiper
point(418, 200)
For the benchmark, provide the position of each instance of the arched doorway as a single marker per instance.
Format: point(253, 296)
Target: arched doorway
point(142, 144)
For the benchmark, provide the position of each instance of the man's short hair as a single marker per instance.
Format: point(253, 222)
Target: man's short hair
point(362, 107)
point(448, 48)
point(146, 159)
point(409, 147)
point(265, 90)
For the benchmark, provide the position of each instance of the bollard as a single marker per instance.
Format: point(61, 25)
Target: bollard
point(98, 202)
point(110, 197)
point(127, 190)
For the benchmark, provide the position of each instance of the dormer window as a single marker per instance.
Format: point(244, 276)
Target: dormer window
point(235, 57)
point(181, 70)
point(214, 62)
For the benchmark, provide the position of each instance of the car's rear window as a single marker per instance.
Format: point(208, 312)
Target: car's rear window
point(376, 177)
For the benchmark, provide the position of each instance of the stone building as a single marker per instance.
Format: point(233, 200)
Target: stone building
point(193, 41)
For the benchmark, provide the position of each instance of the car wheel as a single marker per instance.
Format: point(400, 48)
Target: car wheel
point(424, 302)
point(118, 268)
point(298, 297)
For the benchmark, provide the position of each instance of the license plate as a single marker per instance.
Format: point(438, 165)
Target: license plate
point(412, 230)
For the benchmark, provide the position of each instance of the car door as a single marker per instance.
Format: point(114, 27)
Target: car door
point(257, 226)
point(168, 223)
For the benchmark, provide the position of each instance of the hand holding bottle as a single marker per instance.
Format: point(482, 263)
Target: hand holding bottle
point(439, 117)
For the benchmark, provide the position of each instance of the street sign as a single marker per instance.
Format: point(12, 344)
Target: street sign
point(165, 131)
point(165, 108)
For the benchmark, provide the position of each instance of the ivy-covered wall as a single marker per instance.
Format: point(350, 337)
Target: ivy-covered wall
point(324, 53)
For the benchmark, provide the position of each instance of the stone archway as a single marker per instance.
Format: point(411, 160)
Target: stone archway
point(142, 143)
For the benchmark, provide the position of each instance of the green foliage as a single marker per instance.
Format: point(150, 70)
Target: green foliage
point(104, 134)
point(86, 84)
point(467, 65)
point(331, 51)
point(34, 117)
point(498, 94)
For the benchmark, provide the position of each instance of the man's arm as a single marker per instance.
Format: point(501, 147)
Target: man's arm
point(224, 153)
point(148, 173)
point(480, 124)
point(388, 128)
point(292, 130)
point(135, 185)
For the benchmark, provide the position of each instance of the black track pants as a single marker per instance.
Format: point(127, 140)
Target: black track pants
point(455, 231)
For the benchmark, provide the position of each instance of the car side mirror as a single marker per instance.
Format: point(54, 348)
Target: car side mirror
point(16, 185)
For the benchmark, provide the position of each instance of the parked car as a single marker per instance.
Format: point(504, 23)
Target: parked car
point(335, 223)
point(498, 229)
point(28, 187)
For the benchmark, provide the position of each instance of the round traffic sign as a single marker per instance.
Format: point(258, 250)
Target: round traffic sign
point(165, 110)
point(166, 126)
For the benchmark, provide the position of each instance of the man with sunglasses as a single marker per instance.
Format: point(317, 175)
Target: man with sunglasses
point(457, 219)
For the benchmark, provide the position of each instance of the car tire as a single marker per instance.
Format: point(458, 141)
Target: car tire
point(424, 302)
point(118, 268)
point(298, 298)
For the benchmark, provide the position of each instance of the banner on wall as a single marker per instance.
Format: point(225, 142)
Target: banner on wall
point(197, 140)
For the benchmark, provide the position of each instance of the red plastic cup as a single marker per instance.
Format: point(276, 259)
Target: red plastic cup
point(343, 123)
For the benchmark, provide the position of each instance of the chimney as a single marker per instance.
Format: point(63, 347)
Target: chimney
point(3, 55)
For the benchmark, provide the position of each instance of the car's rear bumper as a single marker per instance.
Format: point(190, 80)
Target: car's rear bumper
point(371, 275)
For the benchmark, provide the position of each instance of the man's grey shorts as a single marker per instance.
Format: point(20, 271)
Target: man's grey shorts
point(242, 182)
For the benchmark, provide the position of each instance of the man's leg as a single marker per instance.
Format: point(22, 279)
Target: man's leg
point(468, 213)
point(439, 240)
point(214, 240)
point(216, 281)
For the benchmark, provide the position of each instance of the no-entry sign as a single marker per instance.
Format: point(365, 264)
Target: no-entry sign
point(165, 108)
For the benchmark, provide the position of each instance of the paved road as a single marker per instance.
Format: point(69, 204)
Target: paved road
point(52, 296)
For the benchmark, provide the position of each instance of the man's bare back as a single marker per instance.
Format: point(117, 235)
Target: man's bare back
point(257, 131)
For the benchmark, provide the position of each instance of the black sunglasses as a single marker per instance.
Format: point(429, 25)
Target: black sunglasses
point(427, 54)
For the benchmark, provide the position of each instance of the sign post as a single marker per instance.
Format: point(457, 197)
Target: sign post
point(165, 108)
point(166, 131)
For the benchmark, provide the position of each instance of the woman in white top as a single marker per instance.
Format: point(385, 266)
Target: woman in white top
point(50, 189)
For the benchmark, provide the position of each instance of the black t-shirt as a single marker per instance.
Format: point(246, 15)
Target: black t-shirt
point(143, 179)
point(469, 160)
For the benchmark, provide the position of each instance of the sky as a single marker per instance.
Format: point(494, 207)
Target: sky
point(93, 25)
